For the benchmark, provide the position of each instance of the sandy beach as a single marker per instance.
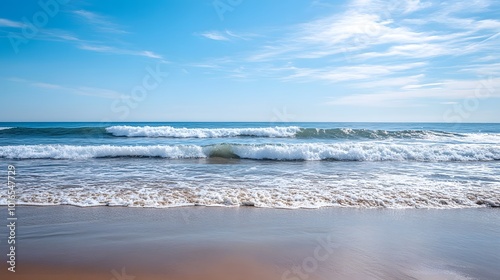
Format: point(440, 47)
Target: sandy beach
point(64, 242)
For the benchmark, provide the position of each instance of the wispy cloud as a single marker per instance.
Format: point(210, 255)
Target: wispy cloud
point(114, 50)
point(448, 90)
point(46, 34)
point(371, 29)
point(46, 85)
point(484, 69)
point(99, 22)
point(149, 54)
point(10, 23)
point(336, 34)
point(49, 34)
point(419, 86)
point(97, 48)
point(59, 35)
point(226, 35)
point(96, 21)
point(380, 53)
point(80, 90)
point(349, 73)
point(106, 25)
point(99, 92)
point(215, 35)
point(391, 82)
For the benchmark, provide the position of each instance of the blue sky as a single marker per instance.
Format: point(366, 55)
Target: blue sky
point(250, 60)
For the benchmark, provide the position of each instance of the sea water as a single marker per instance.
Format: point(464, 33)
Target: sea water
point(292, 165)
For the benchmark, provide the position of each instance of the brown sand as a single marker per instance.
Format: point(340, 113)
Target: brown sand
point(253, 244)
point(215, 269)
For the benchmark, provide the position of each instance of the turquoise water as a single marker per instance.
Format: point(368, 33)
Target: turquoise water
point(292, 165)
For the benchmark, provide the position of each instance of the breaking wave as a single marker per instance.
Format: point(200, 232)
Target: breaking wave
point(263, 132)
point(360, 151)
point(171, 132)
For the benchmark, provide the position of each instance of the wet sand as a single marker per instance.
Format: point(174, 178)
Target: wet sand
point(64, 242)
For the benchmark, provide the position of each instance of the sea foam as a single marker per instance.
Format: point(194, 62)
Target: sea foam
point(355, 151)
point(168, 131)
point(389, 193)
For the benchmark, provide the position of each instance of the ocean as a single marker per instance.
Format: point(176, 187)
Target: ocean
point(271, 165)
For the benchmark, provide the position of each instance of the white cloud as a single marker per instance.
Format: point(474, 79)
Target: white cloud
point(10, 23)
point(99, 22)
point(449, 89)
point(349, 73)
point(409, 50)
point(103, 24)
point(98, 92)
point(418, 86)
point(392, 82)
point(114, 50)
point(46, 85)
point(149, 54)
point(58, 35)
point(226, 35)
point(491, 69)
point(97, 48)
point(363, 25)
point(215, 35)
point(87, 91)
point(416, 5)
point(383, 53)
point(372, 29)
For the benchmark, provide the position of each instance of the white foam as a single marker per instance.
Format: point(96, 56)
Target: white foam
point(85, 152)
point(168, 131)
point(364, 151)
point(491, 138)
point(394, 192)
point(3, 128)
point(371, 152)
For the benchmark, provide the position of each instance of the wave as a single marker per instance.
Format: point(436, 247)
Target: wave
point(275, 132)
point(55, 131)
point(442, 195)
point(348, 133)
point(171, 132)
point(263, 132)
point(360, 151)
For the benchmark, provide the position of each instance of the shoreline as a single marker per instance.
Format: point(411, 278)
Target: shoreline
point(179, 242)
point(248, 205)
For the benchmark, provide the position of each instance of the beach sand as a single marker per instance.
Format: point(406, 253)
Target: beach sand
point(64, 242)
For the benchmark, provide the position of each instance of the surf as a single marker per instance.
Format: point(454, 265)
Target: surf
point(346, 151)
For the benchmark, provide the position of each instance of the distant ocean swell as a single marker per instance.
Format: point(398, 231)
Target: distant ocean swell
point(264, 132)
point(346, 151)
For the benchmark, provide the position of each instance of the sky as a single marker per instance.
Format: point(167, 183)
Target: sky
point(250, 60)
